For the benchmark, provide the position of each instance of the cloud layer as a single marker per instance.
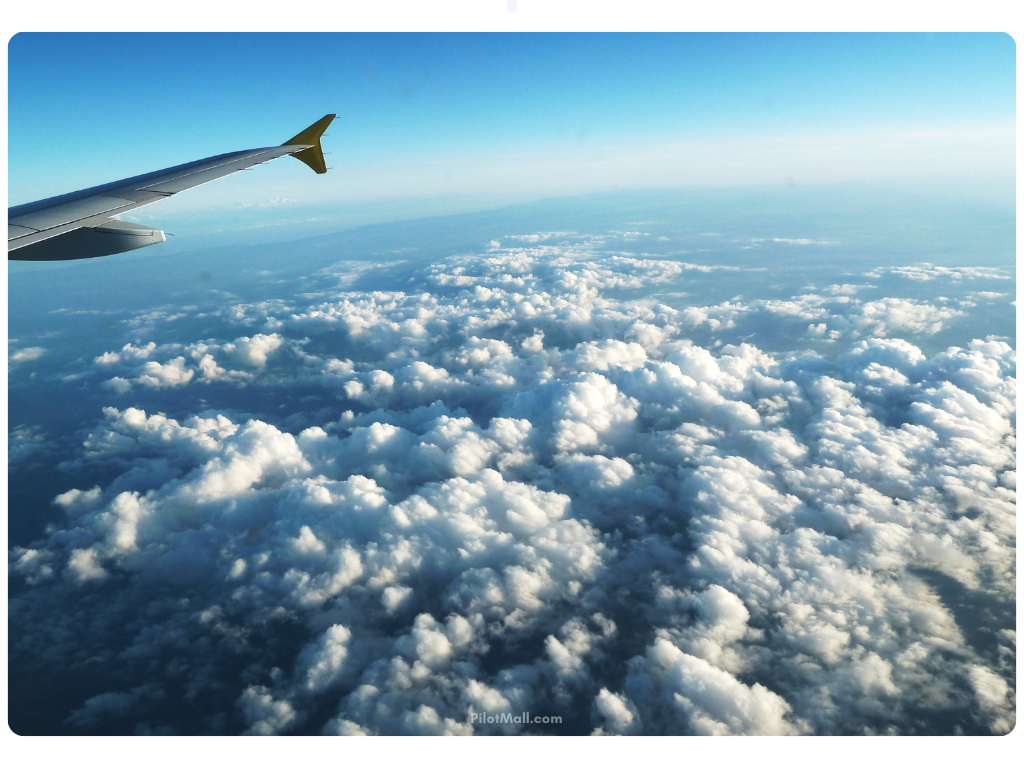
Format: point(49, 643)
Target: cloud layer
point(536, 493)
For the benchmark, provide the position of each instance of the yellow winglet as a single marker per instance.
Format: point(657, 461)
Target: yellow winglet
point(313, 154)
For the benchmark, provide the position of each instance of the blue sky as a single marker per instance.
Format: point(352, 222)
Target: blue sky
point(507, 117)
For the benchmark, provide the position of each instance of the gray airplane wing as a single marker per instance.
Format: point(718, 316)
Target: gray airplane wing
point(82, 225)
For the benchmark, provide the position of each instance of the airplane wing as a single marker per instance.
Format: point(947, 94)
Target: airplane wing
point(82, 225)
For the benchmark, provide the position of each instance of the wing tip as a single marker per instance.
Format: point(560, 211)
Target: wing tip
point(312, 153)
point(312, 134)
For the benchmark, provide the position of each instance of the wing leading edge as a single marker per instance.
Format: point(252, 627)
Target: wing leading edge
point(82, 225)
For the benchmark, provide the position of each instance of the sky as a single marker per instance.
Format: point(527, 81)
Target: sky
point(477, 119)
point(720, 442)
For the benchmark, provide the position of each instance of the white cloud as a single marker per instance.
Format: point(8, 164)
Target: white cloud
point(995, 697)
point(323, 661)
point(925, 272)
point(887, 316)
point(263, 713)
point(529, 495)
point(619, 716)
point(139, 367)
point(25, 355)
point(711, 701)
point(254, 351)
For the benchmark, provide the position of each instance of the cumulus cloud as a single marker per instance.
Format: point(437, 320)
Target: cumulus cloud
point(710, 700)
point(891, 315)
point(323, 660)
point(25, 355)
point(24, 443)
point(536, 495)
point(254, 351)
point(265, 715)
point(138, 365)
